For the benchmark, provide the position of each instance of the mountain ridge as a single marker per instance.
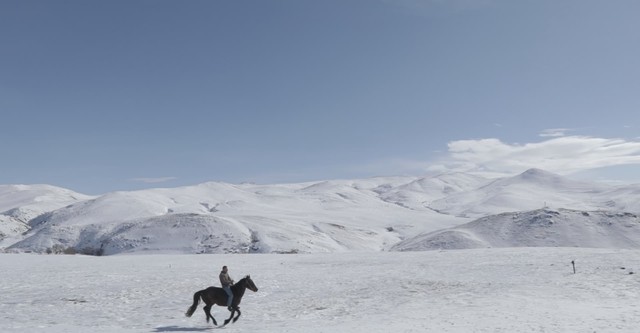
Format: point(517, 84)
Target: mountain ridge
point(374, 214)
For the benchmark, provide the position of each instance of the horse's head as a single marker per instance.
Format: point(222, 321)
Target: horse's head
point(250, 284)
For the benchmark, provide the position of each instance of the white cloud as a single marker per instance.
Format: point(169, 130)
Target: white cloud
point(562, 155)
point(153, 180)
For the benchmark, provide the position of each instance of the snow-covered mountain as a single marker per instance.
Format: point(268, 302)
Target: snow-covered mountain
point(530, 190)
point(538, 228)
point(375, 214)
point(19, 204)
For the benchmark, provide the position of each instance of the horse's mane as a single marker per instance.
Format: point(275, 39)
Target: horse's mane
point(242, 280)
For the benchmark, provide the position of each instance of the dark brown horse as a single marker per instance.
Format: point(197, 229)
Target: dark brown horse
point(217, 296)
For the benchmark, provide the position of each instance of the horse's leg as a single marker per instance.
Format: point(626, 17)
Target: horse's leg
point(207, 311)
point(238, 316)
point(233, 312)
point(214, 319)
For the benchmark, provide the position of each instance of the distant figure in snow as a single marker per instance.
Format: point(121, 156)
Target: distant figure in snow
point(227, 282)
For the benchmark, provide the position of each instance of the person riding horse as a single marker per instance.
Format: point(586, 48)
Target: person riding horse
point(227, 282)
point(217, 296)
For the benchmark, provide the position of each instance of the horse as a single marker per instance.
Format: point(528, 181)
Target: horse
point(217, 296)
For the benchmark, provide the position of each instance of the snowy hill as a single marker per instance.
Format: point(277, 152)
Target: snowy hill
point(419, 193)
point(373, 214)
point(213, 217)
point(530, 190)
point(21, 203)
point(538, 228)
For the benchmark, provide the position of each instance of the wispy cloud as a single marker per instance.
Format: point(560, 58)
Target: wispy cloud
point(153, 180)
point(428, 7)
point(555, 132)
point(562, 155)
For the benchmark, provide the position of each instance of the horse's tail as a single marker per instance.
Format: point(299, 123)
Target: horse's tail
point(194, 306)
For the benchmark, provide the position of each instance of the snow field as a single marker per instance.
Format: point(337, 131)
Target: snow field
point(482, 290)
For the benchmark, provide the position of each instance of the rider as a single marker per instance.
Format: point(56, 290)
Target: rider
point(227, 282)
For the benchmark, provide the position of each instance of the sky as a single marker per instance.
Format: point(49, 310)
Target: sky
point(100, 96)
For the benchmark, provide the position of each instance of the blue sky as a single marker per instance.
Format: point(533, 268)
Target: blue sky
point(98, 96)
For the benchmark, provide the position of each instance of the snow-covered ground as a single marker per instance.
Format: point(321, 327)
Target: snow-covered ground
point(481, 290)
